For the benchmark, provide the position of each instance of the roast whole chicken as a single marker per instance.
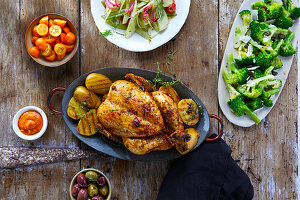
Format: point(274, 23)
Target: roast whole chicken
point(144, 120)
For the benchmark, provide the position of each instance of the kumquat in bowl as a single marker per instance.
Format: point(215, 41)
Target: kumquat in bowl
point(51, 40)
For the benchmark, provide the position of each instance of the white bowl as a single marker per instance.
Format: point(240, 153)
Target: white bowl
point(16, 119)
point(137, 43)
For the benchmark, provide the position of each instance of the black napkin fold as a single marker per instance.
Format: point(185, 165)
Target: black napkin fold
point(207, 173)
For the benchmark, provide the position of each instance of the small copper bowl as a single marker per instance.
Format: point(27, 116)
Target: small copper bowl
point(108, 197)
point(41, 60)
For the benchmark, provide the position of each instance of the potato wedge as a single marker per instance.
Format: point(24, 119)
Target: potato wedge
point(76, 110)
point(88, 125)
point(186, 141)
point(86, 97)
point(98, 83)
point(188, 111)
point(171, 92)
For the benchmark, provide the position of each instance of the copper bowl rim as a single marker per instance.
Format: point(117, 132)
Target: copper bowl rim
point(90, 169)
point(42, 61)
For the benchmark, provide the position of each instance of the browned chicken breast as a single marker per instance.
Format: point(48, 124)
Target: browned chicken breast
point(141, 146)
point(128, 111)
point(169, 111)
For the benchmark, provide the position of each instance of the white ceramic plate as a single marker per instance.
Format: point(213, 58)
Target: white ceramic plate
point(223, 95)
point(137, 43)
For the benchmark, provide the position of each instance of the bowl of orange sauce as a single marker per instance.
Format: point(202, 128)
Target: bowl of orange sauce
point(30, 123)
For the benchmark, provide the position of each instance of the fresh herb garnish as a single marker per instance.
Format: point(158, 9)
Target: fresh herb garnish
point(114, 22)
point(199, 110)
point(158, 81)
point(105, 33)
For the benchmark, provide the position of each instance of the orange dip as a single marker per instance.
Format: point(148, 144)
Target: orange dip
point(30, 122)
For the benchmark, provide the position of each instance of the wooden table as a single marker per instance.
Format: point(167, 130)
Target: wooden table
point(199, 45)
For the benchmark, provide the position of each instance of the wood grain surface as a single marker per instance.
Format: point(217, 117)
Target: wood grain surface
point(199, 49)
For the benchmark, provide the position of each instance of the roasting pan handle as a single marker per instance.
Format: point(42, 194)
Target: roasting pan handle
point(220, 132)
point(50, 96)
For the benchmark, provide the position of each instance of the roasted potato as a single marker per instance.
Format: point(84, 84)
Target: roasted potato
point(98, 83)
point(171, 92)
point(88, 125)
point(186, 140)
point(75, 109)
point(86, 97)
point(188, 111)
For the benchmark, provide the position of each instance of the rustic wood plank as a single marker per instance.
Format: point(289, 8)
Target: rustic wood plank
point(272, 143)
point(194, 63)
point(27, 83)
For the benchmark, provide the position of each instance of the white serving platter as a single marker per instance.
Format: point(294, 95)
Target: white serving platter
point(137, 43)
point(223, 95)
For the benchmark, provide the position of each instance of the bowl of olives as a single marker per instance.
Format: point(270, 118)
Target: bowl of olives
point(90, 184)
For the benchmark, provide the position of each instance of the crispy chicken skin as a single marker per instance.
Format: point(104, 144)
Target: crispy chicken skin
point(143, 83)
point(169, 111)
point(128, 111)
point(141, 146)
point(108, 134)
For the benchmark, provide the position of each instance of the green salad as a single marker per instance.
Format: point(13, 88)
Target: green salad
point(145, 17)
point(250, 76)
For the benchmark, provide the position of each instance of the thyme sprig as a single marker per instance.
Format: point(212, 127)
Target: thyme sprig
point(158, 81)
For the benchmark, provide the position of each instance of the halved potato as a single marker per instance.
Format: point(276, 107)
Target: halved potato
point(88, 125)
point(171, 92)
point(186, 141)
point(75, 109)
point(86, 97)
point(98, 83)
point(188, 111)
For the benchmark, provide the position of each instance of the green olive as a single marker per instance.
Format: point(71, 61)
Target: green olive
point(86, 97)
point(92, 190)
point(91, 176)
point(103, 190)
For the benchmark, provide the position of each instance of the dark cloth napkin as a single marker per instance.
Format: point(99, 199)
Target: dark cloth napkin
point(207, 173)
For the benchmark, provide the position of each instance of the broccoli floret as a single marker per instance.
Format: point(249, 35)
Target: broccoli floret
point(272, 10)
point(265, 58)
point(266, 95)
point(284, 22)
point(287, 49)
point(245, 61)
point(262, 15)
point(271, 84)
point(249, 91)
point(295, 14)
point(239, 107)
point(290, 10)
point(267, 1)
point(252, 89)
point(258, 73)
point(276, 63)
point(254, 104)
point(246, 16)
point(263, 32)
point(233, 74)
